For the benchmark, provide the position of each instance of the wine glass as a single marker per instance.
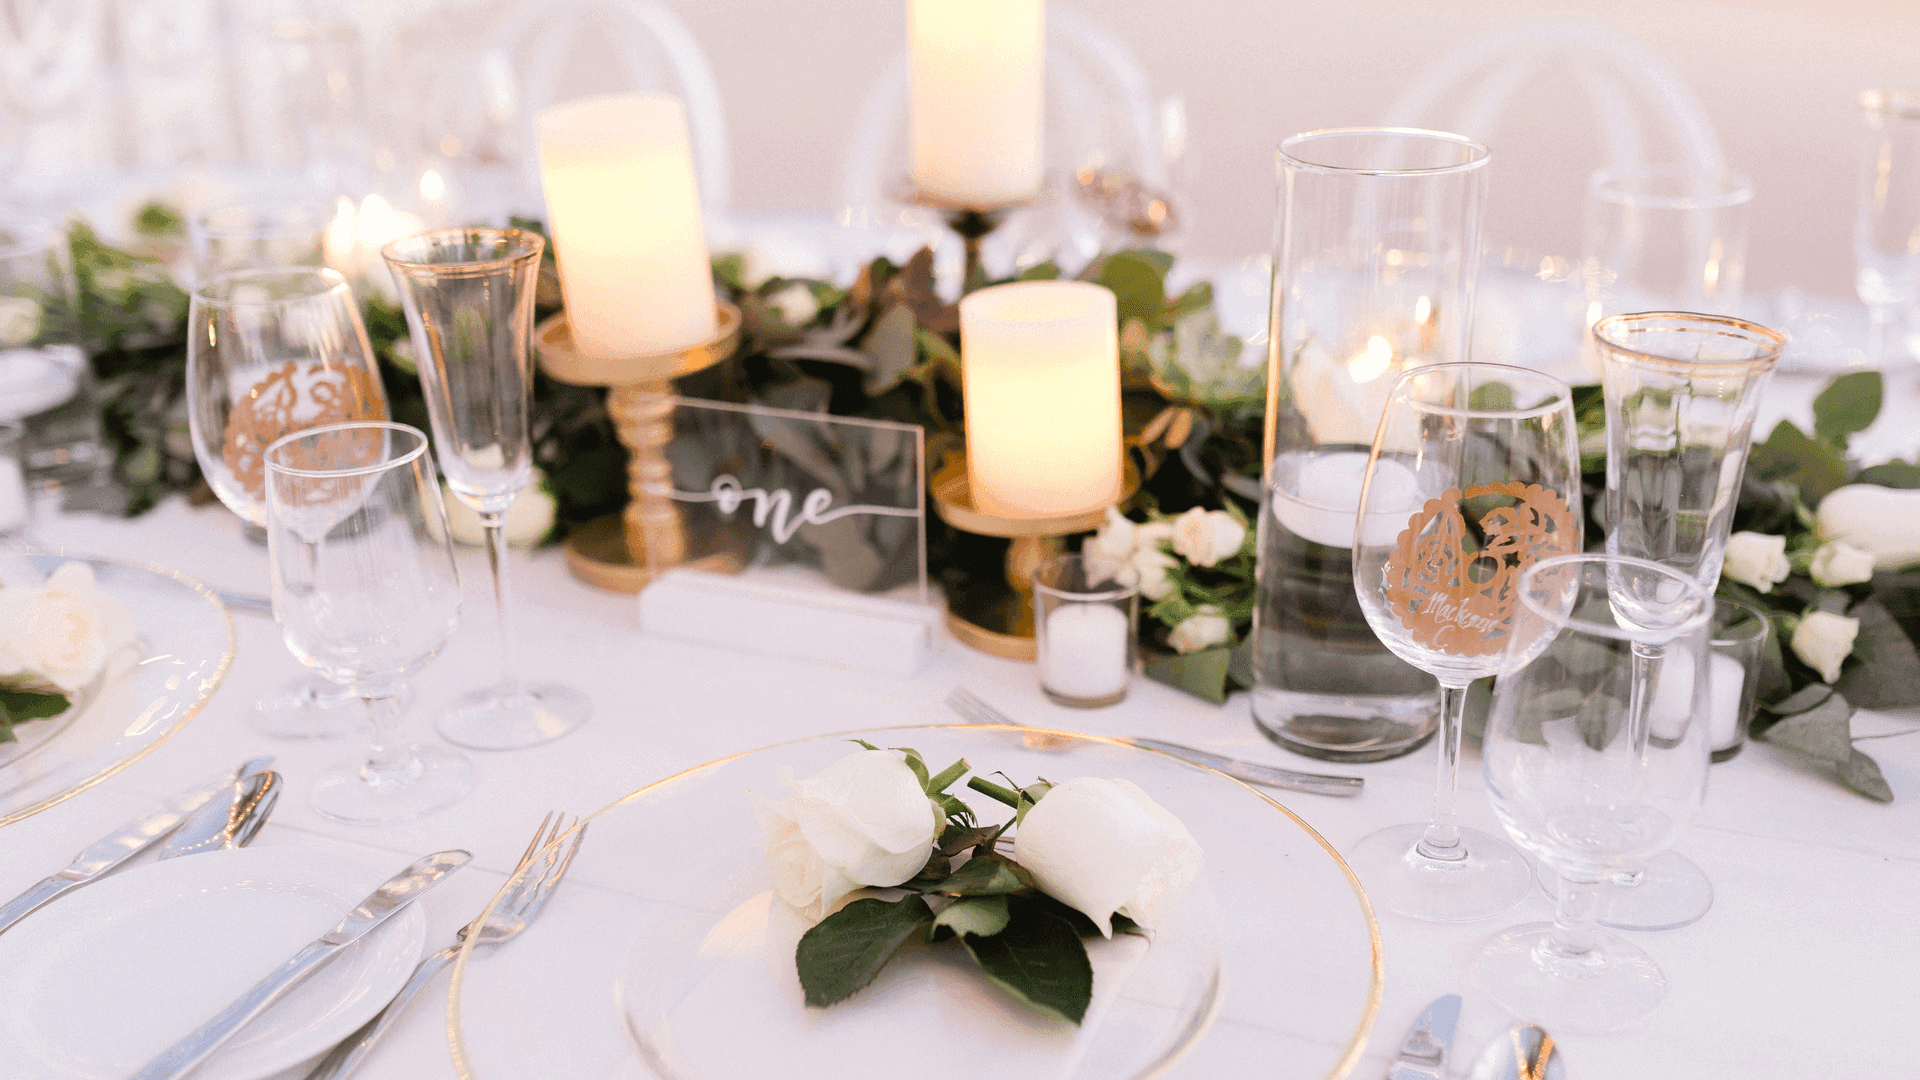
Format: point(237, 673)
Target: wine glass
point(468, 294)
point(1587, 781)
point(365, 592)
point(271, 351)
point(1473, 476)
point(1887, 274)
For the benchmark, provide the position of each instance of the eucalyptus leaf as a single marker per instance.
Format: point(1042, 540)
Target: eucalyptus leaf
point(845, 951)
point(1202, 674)
point(1807, 697)
point(891, 346)
point(981, 916)
point(1848, 405)
point(1862, 774)
point(1822, 731)
point(1139, 286)
point(1039, 959)
point(1888, 673)
point(1893, 474)
point(1789, 454)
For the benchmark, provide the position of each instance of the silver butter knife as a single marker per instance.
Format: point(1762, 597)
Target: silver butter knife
point(1423, 1053)
point(400, 890)
point(124, 843)
point(1254, 772)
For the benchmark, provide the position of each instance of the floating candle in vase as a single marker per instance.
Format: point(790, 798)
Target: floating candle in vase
point(1040, 365)
point(624, 209)
point(978, 77)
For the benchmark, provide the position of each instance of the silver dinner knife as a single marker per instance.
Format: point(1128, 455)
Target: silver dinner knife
point(1423, 1053)
point(124, 843)
point(1254, 772)
point(400, 890)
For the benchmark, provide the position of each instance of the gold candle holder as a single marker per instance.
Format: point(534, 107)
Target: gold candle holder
point(612, 552)
point(1007, 630)
point(972, 223)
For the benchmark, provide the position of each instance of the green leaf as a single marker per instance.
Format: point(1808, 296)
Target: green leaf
point(1807, 697)
point(846, 950)
point(1848, 404)
point(1893, 474)
point(1038, 958)
point(18, 705)
point(1491, 395)
point(1887, 675)
point(981, 916)
point(987, 874)
point(956, 840)
point(1862, 774)
point(1790, 455)
point(1046, 271)
point(892, 345)
point(1821, 732)
point(1202, 674)
point(1139, 286)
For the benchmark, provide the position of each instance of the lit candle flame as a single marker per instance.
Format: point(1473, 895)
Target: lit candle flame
point(1371, 364)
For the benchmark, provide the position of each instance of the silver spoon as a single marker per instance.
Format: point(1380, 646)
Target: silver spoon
point(229, 819)
point(1523, 1052)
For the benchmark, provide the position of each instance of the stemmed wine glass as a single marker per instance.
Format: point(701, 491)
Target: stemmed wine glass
point(365, 591)
point(1584, 777)
point(469, 294)
point(271, 351)
point(1887, 264)
point(1474, 475)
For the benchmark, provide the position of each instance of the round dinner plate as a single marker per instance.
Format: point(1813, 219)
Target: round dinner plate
point(662, 954)
point(99, 983)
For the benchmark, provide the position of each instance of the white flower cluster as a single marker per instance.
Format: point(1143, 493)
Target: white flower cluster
point(59, 636)
point(1201, 537)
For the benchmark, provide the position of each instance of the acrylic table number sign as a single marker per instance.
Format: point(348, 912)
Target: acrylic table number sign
point(792, 533)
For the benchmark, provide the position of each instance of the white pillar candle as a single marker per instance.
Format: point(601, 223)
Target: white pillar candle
point(624, 210)
point(1084, 654)
point(1040, 364)
point(1726, 678)
point(1673, 701)
point(978, 76)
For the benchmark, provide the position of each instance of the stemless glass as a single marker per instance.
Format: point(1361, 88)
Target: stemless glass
point(271, 351)
point(1886, 235)
point(468, 294)
point(1587, 781)
point(365, 591)
point(1474, 475)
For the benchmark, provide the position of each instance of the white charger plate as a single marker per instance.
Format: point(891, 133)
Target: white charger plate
point(99, 983)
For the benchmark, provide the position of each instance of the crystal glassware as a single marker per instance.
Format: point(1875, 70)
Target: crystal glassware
point(365, 592)
point(1665, 238)
point(45, 381)
point(278, 232)
point(1083, 618)
point(1376, 254)
point(271, 351)
point(468, 295)
point(1474, 476)
point(1886, 235)
point(1588, 781)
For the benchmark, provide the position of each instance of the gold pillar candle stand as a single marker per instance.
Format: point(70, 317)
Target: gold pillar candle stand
point(612, 552)
point(1007, 629)
point(972, 224)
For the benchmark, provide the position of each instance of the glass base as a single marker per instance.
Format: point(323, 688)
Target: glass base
point(1491, 877)
point(495, 720)
point(309, 708)
point(1605, 989)
point(1671, 892)
point(350, 792)
point(1356, 728)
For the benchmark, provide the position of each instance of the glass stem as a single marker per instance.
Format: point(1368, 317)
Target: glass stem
point(495, 525)
point(1570, 947)
point(1640, 696)
point(388, 759)
point(1442, 838)
point(1883, 332)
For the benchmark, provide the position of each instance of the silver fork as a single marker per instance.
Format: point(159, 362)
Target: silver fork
point(516, 912)
point(970, 707)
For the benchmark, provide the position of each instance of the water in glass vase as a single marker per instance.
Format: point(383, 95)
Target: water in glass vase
point(1324, 684)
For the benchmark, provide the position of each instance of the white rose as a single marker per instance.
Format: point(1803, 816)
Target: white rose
point(795, 303)
point(1103, 846)
point(1204, 537)
point(1114, 542)
point(529, 517)
point(61, 634)
point(1825, 640)
point(1203, 629)
point(1152, 564)
point(1839, 563)
point(1885, 521)
point(862, 821)
point(1152, 534)
point(1757, 559)
point(19, 320)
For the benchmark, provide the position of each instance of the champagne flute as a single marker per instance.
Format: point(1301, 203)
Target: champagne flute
point(272, 351)
point(1587, 778)
point(365, 591)
point(468, 294)
point(1474, 475)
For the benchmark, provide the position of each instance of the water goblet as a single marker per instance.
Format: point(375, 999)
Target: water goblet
point(1887, 226)
point(468, 295)
point(365, 592)
point(1585, 778)
point(1473, 476)
point(271, 351)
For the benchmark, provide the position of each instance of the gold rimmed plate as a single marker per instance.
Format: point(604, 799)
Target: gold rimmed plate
point(184, 648)
point(1271, 966)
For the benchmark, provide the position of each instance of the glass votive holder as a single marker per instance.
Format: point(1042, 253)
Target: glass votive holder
point(1083, 618)
point(15, 506)
point(1739, 634)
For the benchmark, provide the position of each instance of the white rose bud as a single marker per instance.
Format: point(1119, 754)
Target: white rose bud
point(1885, 521)
point(1152, 565)
point(1103, 846)
point(19, 320)
point(1757, 559)
point(862, 821)
point(1204, 537)
point(1152, 534)
point(795, 303)
point(1825, 640)
point(1115, 541)
point(1839, 563)
point(62, 634)
point(1203, 629)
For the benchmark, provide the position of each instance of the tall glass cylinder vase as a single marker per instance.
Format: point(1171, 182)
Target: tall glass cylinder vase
point(1376, 252)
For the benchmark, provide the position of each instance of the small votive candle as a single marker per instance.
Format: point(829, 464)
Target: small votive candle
point(1083, 620)
point(1739, 634)
point(1040, 369)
